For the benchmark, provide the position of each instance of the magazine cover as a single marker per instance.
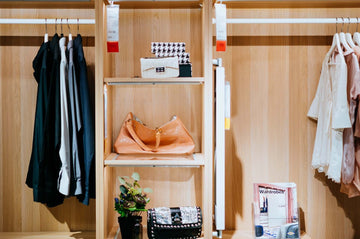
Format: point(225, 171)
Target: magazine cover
point(275, 211)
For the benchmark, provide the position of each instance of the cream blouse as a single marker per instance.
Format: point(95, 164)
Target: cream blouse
point(330, 109)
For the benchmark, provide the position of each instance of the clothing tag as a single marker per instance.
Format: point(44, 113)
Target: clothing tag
point(220, 14)
point(112, 12)
point(227, 105)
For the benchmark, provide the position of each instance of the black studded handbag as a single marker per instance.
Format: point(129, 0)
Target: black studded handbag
point(174, 223)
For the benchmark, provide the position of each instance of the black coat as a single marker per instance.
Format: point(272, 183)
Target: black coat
point(86, 140)
point(45, 161)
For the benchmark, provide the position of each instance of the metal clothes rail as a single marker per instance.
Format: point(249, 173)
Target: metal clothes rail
point(46, 21)
point(339, 20)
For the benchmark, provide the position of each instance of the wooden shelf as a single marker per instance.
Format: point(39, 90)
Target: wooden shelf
point(114, 234)
point(143, 4)
point(116, 160)
point(249, 235)
point(291, 4)
point(47, 235)
point(52, 5)
point(141, 81)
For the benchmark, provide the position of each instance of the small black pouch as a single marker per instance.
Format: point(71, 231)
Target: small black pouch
point(174, 223)
point(185, 70)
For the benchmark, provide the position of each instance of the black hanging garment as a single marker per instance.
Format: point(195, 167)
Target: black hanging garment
point(86, 140)
point(45, 163)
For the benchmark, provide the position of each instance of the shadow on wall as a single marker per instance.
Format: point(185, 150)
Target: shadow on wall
point(349, 205)
point(75, 215)
point(233, 184)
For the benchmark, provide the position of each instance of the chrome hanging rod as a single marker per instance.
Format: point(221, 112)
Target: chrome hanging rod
point(47, 21)
point(339, 20)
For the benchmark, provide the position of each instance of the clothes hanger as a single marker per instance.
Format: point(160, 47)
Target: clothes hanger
point(343, 38)
point(46, 36)
point(61, 25)
point(70, 36)
point(336, 41)
point(78, 27)
point(357, 34)
point(349, 37)
point(55, 25)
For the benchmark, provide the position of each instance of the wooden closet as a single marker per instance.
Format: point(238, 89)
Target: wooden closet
point(19, 215)
point(175, 182)
point(274, 70)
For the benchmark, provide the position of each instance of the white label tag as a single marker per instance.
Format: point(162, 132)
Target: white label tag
point(220, 14)
point(112, 23)
point(227, 105)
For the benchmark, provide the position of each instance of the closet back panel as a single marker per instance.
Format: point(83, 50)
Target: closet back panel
point(18, 47)
point(139, 27)
point(274, 71)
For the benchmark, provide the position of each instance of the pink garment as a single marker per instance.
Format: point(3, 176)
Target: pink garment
point(353, 91)
point(353, 189)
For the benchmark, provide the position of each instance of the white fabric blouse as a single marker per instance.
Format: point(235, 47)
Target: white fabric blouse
point(330, 109)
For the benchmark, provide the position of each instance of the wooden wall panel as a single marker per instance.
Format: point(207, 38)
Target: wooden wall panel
point(172, 187)
point(139, 27)
point(18, 91)
point(155, 105)
point(274, 71)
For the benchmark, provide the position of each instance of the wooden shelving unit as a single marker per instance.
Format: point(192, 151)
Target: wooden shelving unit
point(140, 81)
point(155, 101)
point(115, 160)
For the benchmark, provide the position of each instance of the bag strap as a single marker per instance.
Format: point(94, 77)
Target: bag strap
point(142, 145)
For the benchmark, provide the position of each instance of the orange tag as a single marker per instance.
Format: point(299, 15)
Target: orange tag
point(220, 45)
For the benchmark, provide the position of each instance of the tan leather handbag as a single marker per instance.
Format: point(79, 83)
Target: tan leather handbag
point(136, 138)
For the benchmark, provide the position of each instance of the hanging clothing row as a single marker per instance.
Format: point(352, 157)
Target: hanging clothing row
point(62, 158)
point(336, 109)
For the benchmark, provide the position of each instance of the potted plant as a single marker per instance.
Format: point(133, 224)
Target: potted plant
point(130, 204)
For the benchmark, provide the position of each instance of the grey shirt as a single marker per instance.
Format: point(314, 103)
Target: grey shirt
point(75, 124)
point(64, 151)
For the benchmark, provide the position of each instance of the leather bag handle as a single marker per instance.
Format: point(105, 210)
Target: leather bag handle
point(144, 147)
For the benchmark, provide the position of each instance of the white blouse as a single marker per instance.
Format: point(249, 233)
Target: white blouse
point(331, 110)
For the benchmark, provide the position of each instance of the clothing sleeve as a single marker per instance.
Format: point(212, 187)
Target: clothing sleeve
point(315, 105)
point(356, 96)
point(340, 114)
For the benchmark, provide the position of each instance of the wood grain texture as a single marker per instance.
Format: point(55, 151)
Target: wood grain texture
point(155, 105)
point(52, 5)
point(18, 212)
point(139, 27)
point(271, 139)
point(99, 118)
point(291, 4)
point(47, 235)
point(172, 187)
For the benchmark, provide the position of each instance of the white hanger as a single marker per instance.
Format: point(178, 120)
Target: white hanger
point(349, 37)
point(70, 36)
point(342, 37)
point(335, 42)
point(357, 34)
point(46, 36)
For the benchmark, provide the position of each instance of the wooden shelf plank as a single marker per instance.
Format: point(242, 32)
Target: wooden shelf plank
point(144, 4)
point(114, 234)
point(46, 235)
point(52, 5)
point(291, 3)
point(116, 160)
point(134, 81)
point(249, 234)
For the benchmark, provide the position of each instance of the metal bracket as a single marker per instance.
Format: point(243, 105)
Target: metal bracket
point(217, 62)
